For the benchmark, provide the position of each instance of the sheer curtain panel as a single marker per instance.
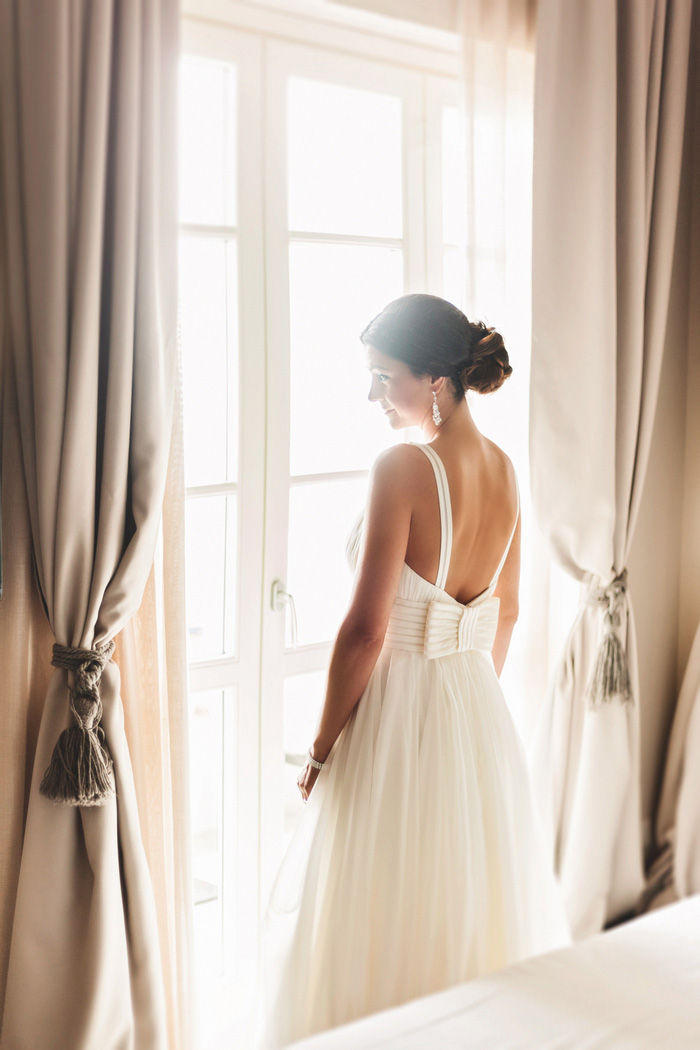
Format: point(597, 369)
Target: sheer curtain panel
point(497, 65)
point(610, 99)
point(88, 199)
point(496, 77)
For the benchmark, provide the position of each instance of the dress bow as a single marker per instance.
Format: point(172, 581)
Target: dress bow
point(459, 628)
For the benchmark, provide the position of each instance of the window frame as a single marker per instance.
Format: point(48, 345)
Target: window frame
point(266, 45)
point(285, 59)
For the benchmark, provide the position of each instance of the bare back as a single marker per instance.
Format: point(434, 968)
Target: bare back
point(484, 499)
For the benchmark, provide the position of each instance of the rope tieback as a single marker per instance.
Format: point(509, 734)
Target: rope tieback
point(80, 771)
point(610, 678)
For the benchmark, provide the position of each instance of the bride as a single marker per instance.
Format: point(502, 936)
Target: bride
point(417, 862)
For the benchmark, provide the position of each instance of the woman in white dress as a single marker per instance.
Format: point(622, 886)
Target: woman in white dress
point(417, 862)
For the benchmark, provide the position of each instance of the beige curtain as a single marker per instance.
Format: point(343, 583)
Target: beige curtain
point(676, 870)
point(151, 658)
point(610, 99)
point(87, 97)
point(25, 648)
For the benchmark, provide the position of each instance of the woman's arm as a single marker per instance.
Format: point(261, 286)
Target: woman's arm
point(507, 590)
point(361, 634)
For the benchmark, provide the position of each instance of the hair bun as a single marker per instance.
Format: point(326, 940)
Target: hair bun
point(488, 366)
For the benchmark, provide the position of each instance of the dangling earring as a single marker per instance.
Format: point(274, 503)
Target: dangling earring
point(437, 418)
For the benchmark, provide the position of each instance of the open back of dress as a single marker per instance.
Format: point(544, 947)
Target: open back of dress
point(418, 861)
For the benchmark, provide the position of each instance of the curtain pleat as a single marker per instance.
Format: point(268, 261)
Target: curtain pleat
point(88, 199)
point(675, 872)
point(153, 664)
point(676, 868)
point(25, 640)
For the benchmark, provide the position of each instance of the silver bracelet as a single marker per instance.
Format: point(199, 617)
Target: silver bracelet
point(312, 761)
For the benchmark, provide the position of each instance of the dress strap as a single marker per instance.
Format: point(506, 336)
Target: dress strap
point(445, 513)
point(505, 552)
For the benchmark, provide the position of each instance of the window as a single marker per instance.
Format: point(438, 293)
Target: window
point(316, 185)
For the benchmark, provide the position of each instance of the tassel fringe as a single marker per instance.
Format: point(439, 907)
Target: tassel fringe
point(610, 679)
point(81, 770)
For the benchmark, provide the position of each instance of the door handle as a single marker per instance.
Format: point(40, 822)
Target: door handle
point(279, 598)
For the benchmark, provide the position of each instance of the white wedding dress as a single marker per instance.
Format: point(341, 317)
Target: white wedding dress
point(417, 862)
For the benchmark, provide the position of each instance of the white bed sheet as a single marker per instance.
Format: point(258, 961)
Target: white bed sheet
point(636, 987)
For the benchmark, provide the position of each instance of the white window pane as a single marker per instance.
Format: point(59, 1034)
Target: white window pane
point(211, 546)
point(454, 276)
point(501, 192)
point(213, 742)
point(488, 172)
point(489, 285)
point(206, 780)
point(303, 697)
point(335, 291)
point(454, 177)
point(206, 783)
point(207, 142)
point(344, 159)
point(209, 327)
point(320, 517)
point(489, 291)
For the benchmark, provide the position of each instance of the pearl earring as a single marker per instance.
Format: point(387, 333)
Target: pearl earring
point(437, 418)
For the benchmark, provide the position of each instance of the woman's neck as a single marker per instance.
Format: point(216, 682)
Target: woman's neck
point(457, 425)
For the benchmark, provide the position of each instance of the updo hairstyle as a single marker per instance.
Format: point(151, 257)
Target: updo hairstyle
point(433, 337)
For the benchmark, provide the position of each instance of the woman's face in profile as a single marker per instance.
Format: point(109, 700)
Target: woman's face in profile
point(404, 397)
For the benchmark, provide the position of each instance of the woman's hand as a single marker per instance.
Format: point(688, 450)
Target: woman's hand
point(306, 780)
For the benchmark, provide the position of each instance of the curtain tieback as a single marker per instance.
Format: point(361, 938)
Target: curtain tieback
point(610, 678)
point(80, 771)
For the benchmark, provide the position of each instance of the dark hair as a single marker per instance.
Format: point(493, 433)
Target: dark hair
point(433, 337)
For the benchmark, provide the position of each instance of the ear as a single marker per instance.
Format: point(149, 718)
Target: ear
point(437, 383)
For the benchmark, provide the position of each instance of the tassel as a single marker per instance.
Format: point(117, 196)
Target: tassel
point(81, 771)
point(610, 679)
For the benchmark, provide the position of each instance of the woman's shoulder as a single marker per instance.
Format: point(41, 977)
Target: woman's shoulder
point(403, 465)
point(403, 456)
point(502, 467)
point(501, 459)
point(406, 466)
